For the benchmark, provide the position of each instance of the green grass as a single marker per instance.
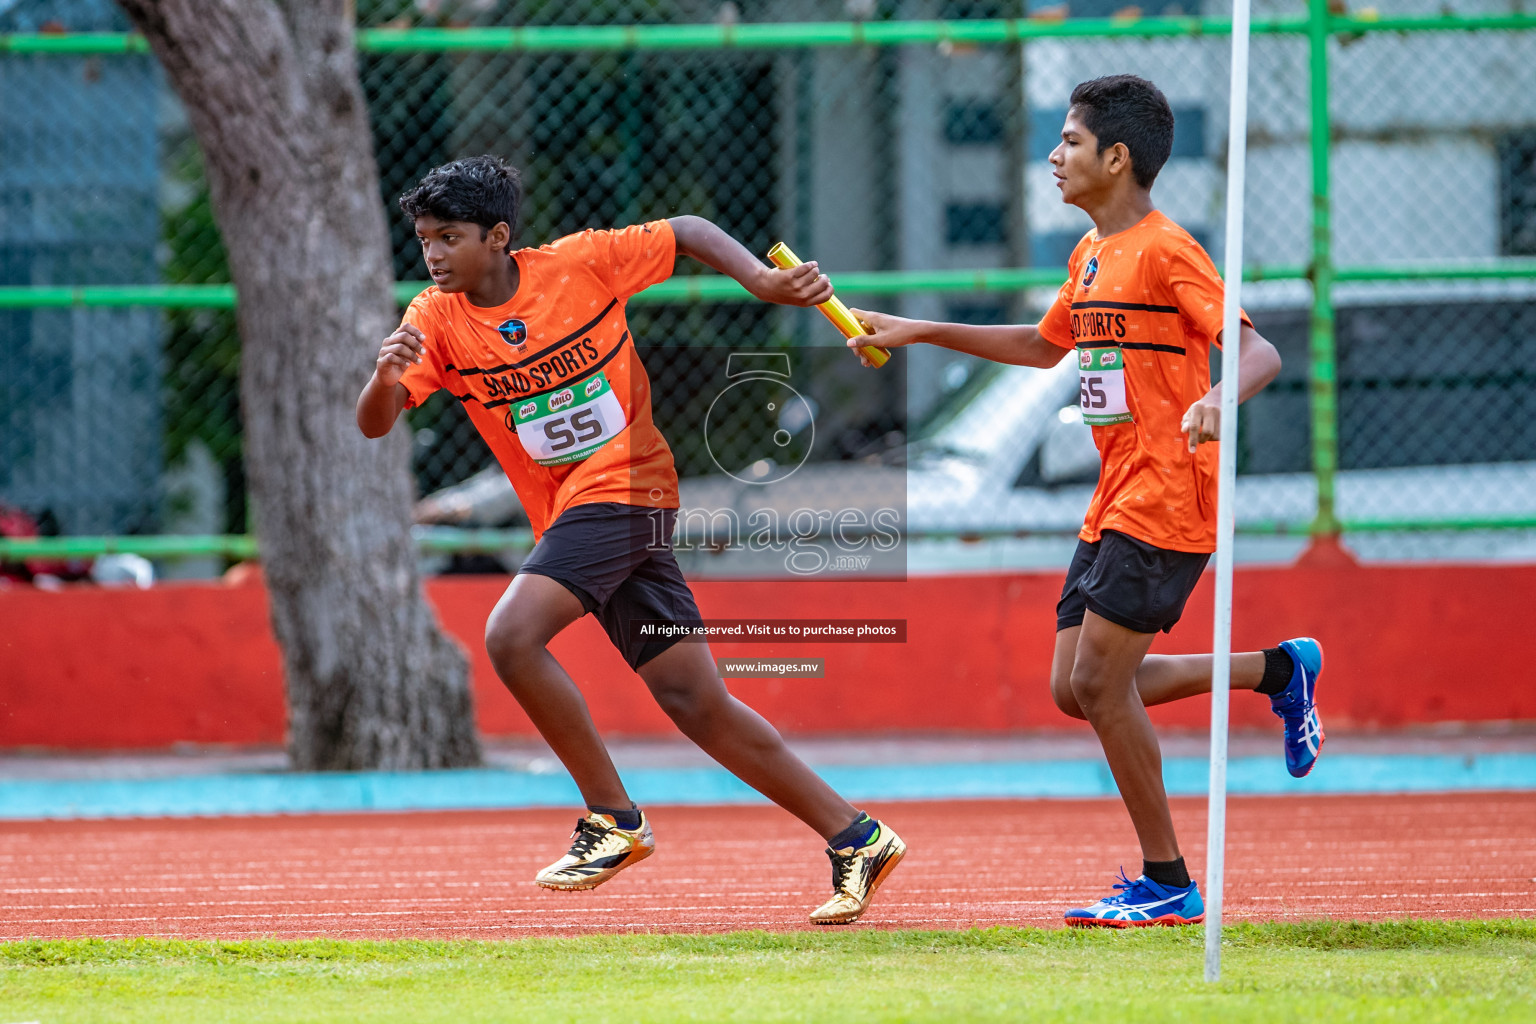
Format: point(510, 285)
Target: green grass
point(1329, 971)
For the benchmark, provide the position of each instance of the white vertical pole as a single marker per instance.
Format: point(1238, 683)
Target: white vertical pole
point(1221, 646)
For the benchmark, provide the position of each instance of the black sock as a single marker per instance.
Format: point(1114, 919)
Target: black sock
point(855, 835)
point(1167, 872)
point(1278, 667)
point(628, 820)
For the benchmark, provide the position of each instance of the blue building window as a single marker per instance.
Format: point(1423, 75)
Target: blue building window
point(976, 224)
point(1517, 194)
point(972, 122)
point(985, 312)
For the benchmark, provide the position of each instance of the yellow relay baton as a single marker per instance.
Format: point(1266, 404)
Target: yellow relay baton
point(833, 309)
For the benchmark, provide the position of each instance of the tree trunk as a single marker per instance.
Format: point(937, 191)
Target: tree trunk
point(272, 92)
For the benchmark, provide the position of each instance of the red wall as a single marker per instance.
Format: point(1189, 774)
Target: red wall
point(86, 668)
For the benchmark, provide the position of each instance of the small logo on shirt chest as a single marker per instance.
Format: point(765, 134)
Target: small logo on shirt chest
point(514, 333)
point(1090, 272)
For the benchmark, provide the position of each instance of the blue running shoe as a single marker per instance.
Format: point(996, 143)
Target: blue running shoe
point(1141, 903)
point(1297, 706)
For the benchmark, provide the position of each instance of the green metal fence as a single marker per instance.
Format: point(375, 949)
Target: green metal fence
point(1392, 213)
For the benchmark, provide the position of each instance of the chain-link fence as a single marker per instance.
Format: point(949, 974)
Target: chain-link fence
point(904, 162)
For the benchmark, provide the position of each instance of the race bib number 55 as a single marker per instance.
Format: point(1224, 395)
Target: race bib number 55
point(1101, 386)
point(570, 424)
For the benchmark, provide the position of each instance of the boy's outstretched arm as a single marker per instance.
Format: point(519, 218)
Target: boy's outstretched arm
point(804, 285)
point(1257, 364)
point(1016, 344)
point(384, 396)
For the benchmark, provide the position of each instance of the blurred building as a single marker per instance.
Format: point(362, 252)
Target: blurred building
point(80, 401)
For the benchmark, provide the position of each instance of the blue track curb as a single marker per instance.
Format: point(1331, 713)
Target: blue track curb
point(481, 789)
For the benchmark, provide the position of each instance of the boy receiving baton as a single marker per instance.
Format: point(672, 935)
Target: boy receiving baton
point(534, 343)
point(1141, 306)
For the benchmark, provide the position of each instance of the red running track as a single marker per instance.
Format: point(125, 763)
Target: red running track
point(971, 863)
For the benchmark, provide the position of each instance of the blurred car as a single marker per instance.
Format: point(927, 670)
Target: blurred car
point(1014, 458)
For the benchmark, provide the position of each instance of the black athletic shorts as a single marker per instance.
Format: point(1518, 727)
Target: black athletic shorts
point(1129, 582)
point(618, 561)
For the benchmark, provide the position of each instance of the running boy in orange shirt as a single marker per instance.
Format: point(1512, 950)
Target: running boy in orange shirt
point(1141, 307)
point(535, 344)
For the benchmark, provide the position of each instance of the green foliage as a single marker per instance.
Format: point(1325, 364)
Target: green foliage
point(202, 346)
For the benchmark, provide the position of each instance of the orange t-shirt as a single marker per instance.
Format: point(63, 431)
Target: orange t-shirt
point(1142, 308)
point(551, 378)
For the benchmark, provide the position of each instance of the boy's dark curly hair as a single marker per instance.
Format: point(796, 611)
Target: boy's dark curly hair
point(483, 190)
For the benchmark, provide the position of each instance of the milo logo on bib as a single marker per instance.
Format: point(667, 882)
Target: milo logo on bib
point(1101, 386)
point(570, 424)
